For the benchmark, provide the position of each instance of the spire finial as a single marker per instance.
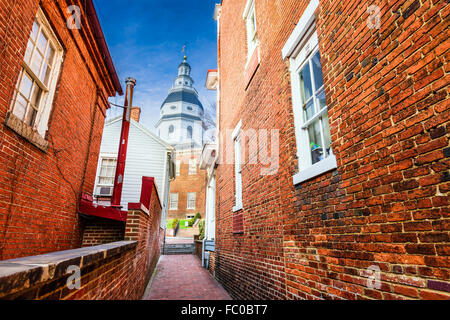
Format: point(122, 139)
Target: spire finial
point(184, 50)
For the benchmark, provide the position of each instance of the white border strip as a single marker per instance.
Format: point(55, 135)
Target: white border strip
point(302, 26)
point(316, 169)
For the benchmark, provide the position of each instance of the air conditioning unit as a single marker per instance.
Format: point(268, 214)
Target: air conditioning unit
point(104, 191)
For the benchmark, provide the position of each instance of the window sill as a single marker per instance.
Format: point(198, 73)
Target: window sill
point(238, 207)
point(315, 170)
point(26, 131)
point(251, 66)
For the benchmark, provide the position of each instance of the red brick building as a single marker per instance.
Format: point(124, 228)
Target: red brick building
point(188, 189)
point(356, 205)
point(56, 76)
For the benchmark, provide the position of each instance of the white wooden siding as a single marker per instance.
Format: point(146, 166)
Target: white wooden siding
point(145, 157)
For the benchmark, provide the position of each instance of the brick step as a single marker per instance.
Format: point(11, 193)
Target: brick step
point(169, 253)
point(179, 245)
point(179, 248)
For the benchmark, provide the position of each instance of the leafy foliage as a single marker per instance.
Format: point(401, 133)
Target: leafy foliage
point(201, 228)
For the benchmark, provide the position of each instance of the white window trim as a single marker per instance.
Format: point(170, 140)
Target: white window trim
point(178, 167)
point(102, 156)
point(99, 174)
point(237, 164)
point(170, 202)
point(192, 164)
point(305, 22)
point(252, 43)
point(42, 118)
point(188, 200)
point(302, 42)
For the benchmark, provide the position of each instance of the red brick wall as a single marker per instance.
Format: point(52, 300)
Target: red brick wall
point(119, 270)
point(100, 231)
point(145, 228)
point(104, 274)
point(39, 190)
point(212, 263)
point(185, 183)
point(387, 203)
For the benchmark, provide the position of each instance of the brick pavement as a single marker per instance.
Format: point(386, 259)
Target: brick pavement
point(181, 277)
point(175, 240)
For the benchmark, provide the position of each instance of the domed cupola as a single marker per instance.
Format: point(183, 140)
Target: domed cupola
point(181, 119)
point(184, 68)
point(184, 75)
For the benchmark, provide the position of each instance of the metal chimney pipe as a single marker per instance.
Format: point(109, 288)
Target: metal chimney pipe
point(122, 156)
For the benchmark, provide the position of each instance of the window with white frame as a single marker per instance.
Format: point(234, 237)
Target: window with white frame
point(36, 84)
point(237, 168)
point(178, 164)
point(173, 203)
point(107, 171)
point(191, 200)
point(250, 22)
point(192, 166)
point(308, 95)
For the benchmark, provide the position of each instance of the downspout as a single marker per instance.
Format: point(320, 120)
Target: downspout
point(123, 144)
point(86, 160)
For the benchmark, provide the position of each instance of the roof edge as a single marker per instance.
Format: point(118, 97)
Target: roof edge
point(101, 41)
point(144, 129)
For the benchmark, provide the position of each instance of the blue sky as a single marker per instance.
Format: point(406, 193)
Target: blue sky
point(145, 38)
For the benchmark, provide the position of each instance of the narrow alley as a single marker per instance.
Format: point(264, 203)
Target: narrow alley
point(181, 277)
point(243, 150)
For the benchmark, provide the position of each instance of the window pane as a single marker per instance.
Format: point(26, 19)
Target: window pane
point(45, 73)
point(36, 63)
point(19, 79)
point(27, 84)
point(326, 133)
point(42, 42)
point(308, 110)
point(252, 24)
point(34, 31)
point(30, 115)
point(20, 106)
point(192, 167)
point(305, 83)
point(107, 172)
point(321, 100)
point(50, 54)
point(105, 181)
point(317, 69)
point(315, 142)
point(28, 52)
point(112, 171)
point(36, 96)
point(173, 200)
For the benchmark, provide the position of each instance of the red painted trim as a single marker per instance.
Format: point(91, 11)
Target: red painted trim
point(89, 208)
point(134, 206)
point(148, 185)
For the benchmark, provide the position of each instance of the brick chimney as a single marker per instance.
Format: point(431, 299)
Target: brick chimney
point(135, 113)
